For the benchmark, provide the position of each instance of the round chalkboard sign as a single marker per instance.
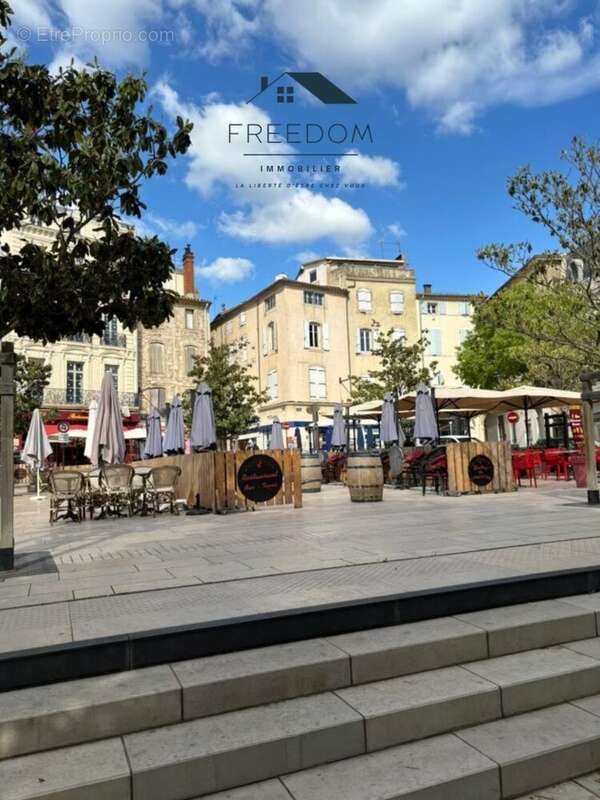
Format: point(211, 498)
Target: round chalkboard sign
point(481, 470)
point(259, 478)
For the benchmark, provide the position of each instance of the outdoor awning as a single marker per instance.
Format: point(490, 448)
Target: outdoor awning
point(469, 402)
point(533, 397)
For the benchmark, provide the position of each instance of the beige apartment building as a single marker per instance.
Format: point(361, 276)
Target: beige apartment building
point(445, 320)
point(79, 362)
point(302, 339)
point(167, 352)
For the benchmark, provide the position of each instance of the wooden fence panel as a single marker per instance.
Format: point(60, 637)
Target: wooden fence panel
point(459, 456)
point(212, 477)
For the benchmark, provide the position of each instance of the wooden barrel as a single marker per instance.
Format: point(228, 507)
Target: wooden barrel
point(365, 477)
point(311, 472)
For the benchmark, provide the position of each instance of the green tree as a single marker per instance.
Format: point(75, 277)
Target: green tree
point(75, 152)
point(401, 368)
point(528, 333)
point(31, 378)
point(567, 206)
point(235, 395)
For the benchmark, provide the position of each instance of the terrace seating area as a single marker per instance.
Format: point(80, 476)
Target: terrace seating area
point(113, 490)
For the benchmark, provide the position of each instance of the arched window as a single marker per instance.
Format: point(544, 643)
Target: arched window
point(157, 357)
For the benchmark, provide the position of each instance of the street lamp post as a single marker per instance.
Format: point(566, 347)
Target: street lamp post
point(588, 396)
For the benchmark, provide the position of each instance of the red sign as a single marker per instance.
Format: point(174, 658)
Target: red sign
point(576, 424)
point(512, 417)
point(63, 426)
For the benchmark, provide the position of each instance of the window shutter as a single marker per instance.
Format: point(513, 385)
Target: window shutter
point(306, 333)
point(265, 343)
point(374, 338)
point(358, 350)
point(423, 306)
point(325, 330)
point(274, 324)
point(436, 342)
point(399, 333)
point(441, 308)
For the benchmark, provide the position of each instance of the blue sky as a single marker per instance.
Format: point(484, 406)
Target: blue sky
point(458, 94)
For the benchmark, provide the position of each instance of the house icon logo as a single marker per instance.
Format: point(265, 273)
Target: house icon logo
point(314, 82)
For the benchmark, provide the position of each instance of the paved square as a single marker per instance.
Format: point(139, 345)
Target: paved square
point(78, 581)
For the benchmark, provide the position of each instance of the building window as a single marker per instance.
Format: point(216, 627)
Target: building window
point(462, 335)
point(397, 302)
point(157, 357)
point(189, 354)
point(272, 385)
point(364, 300)
point(313, 298)
point(398, 334)
point(242, 318)
point(434, 348)
point(270, 302)
point(110, 336)
point(189, 319)
point(464, 309)
point(114, 371)
point(364, 340)
point(314, 334)
point(272, 337)
point(316, 383)
point(157, 397)
point(75, 382)
point(438, 379)
point(313, 275)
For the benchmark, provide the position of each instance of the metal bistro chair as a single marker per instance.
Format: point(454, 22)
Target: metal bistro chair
point(162, 487)
point(66, 494)
point(117, 484)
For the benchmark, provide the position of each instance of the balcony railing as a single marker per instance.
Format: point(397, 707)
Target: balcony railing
point(62, 397)
point(116, 340)
point(108, 340)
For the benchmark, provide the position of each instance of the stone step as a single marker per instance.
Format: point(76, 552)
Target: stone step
point(494, 761)
point(225, 751)
point(36, 719)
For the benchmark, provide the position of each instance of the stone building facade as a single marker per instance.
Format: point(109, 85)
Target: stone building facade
point(303, 339)
point(445, 320)
point(167, 352)
point(78, 362)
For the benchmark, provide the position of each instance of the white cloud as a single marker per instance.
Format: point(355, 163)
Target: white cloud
point(375, 170)
point(226, 270)
point(229, 27)
point(273, 216)
point(300, 216)
point(63, 59)
point(213, 159)
point(396, 230)
point(154, 225)
point(304, 256)
point(458, 118)
point(452, 58)
point(31, 13)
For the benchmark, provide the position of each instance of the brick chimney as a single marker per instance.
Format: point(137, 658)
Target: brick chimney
point(426, 288)
point(188, 271)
